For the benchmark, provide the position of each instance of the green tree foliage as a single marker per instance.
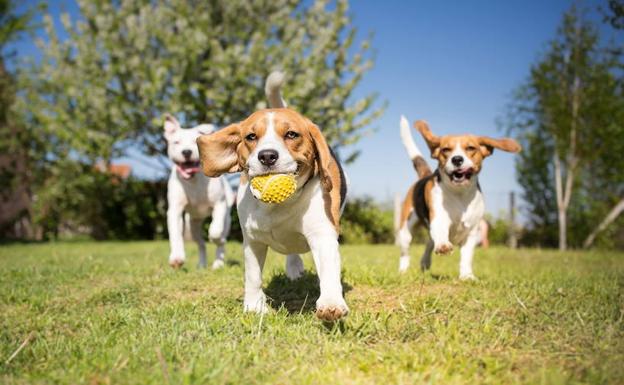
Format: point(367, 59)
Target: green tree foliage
point(105, 87)
point(568, 115)
point(125, 64)
point(15, 178)
point(615, 13)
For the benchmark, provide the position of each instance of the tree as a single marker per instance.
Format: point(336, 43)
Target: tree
point(615, 14)
point(106, 87)
point(569, 110)
point(14, 177)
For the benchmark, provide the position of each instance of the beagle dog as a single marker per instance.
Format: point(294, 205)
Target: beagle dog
point(276, 141)
point(448, 201)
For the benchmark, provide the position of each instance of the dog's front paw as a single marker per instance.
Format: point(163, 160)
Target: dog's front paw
point(217, 264)
point(404, 263)
point(176, 262)
point(331, 309)
point(467, 277)
point(256, 304)
point(443, 248)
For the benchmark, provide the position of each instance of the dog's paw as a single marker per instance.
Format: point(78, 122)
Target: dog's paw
point(331, 309)
point(217, 264)
point(256, 304)
point(468, 277)
point(176, 262)
point(443, 248)
point(294, 267)
point(404, 263)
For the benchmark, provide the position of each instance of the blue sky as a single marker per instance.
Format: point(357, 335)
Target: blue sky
point(452, 63)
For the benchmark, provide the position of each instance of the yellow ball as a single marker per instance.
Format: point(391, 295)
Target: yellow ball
point(273, 188)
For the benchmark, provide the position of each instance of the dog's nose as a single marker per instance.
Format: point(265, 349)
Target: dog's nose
point(187, 153)
point(268, 157)
point(457, 160)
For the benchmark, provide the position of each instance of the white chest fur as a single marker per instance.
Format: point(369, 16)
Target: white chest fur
point(460, 210)
point(285, 227)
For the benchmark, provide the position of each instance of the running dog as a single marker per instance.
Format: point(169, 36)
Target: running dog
point(281, 141)
point(191, 192)
point(448, 201)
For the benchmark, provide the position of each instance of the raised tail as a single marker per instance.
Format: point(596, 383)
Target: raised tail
point(273, 89)
point(420, 165)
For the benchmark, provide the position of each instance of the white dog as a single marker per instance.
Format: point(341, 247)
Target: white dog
point(189, 191)
point(278, 141)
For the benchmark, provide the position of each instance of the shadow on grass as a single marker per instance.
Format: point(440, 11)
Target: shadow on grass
point(232, 262)
point(297, 296)
point(440, 277)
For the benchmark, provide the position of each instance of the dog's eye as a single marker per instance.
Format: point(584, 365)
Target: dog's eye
point(291, 135)
point(251, 137)
point(446, 150)
point(471, 148)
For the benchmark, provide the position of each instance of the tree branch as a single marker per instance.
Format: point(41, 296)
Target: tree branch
point(611, 216)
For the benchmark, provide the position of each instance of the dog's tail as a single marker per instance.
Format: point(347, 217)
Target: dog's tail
point(421, 166)
point(273, 89)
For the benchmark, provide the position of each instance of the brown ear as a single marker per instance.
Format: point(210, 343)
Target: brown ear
point(433, 142)
point(219, 151)
point(506, 144)
point(329, 173)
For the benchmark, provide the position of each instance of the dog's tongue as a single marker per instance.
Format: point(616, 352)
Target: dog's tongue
point(187, 170)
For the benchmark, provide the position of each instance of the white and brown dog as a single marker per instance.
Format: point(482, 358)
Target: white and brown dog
point(447, 201)
point(191, 192)
point(276, 141)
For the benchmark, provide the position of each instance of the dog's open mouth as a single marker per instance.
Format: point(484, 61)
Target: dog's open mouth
point(188, 169)
point(461, 176)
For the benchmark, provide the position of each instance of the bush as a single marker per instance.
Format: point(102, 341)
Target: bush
point(364, 221)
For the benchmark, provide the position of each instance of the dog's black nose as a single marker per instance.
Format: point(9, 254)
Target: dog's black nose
point(457, 160)
point(187, 153)
point(268, 157)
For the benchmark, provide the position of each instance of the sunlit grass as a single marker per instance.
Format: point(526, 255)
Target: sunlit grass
point(116, 313)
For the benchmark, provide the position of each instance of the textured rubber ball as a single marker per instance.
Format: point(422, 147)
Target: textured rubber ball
point(273, 188)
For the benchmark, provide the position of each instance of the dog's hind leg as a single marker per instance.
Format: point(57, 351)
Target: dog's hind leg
point(218, 231)
point(294, 266)
point(196, 232)
point(425, 260)
point(404, 239)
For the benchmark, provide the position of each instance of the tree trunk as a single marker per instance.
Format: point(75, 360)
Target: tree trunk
point(561, 208)
point(613, 214)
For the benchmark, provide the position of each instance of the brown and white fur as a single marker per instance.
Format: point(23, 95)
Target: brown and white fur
point(280, 140)
point(448, 201)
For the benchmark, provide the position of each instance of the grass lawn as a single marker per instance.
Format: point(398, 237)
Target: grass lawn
point(116, 313)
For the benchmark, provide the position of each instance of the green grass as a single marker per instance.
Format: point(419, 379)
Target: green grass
point(116, 313)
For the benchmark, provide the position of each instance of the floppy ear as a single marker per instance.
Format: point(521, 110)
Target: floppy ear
point(506, 144)
point(329, 173)
point(433, 142)
point(218, 152)
point(171, 125)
